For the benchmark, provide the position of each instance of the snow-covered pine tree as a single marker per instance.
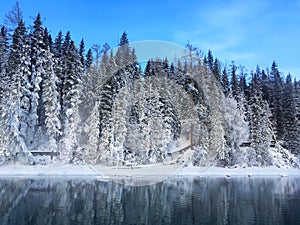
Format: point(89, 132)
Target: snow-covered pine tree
point(244, 89)
point(13, 101)
point(3, 110)
point(167, 87)
point(297, 105)
point(277, 101)
point(94, 78)
point(266, 85)
point(291, 132)
point(89, 59)
point(81, 53)
point(236, 132)
point(217, 70)
point(218, 150)
point(113, 114)
point(91, 152)
point(134, 145)
point(193, 104)
point(106, 100)
point(47, 39)
point(261, 133)
point(210, 60)
point(62, 67)
point(91, 86)
point(171, 98)
point(124, 53)
point(36, 116)
point(4, 49)
point(234, 83)
point(17, 83)
point(13, 147)
point(4, 53)
point(132, 137)
point(57, 50)
point(50, 98)
point(120, 118)
point(73, 70)
point(152, 120)
point(184, 102)
point(225, 81)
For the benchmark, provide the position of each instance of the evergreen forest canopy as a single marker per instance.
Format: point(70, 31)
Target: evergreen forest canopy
point(106, 109)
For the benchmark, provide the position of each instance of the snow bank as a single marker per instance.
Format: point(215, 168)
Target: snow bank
point(238, 172)
point(47, 170)
point(160, 170)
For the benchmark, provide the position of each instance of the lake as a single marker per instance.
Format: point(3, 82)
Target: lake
point(179, 200)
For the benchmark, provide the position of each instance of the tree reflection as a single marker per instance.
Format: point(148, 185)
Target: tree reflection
point(176, 201)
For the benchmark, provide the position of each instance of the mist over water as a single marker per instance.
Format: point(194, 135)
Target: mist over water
point(175, 201)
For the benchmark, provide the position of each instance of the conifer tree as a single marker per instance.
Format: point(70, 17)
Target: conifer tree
point(124, 55)
point(277, 103)
point(16, 94)
point(217, 70)
point(297, 105)
point(261, 133)
point(4, 48)
point(225, 82)
point(124, 39)
point(81, 53)
point(58, 46)
point(210, 60)
point(217, 136)
point(91, 128)
point(91, 86)
point(58, 66)
point(266, 86)
point(89, 59)
point(18, 74)
point(47, 39)
point(63, 72)
point(36, 119)
point(51, 103)
point(70, 98)
point(234, 83)
point(291, 131)
point(243, 86)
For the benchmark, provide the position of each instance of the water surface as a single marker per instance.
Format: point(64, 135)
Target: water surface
point(176, 201)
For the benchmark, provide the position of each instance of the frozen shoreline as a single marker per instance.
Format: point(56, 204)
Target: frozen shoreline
point(62, 170)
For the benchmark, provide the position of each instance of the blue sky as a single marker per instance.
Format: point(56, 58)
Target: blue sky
point(250, 32)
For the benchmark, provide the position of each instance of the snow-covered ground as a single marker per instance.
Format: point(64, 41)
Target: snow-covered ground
point(47, 170)
point(142, 171)
point(179, 166)
point(242, 172)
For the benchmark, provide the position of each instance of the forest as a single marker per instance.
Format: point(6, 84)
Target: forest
point(101, 106)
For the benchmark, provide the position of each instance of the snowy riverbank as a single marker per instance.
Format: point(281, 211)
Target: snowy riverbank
point(142, 171)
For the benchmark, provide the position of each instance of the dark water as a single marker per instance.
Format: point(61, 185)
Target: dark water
point(188, 201)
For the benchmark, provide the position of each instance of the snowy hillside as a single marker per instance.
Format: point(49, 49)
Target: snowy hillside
point(58, 105)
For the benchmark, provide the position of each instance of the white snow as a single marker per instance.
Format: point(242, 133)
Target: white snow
point(239, 171)
point(46, 170)
point(160, 170)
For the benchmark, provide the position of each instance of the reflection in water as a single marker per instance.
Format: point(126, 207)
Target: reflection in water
point(177, 201)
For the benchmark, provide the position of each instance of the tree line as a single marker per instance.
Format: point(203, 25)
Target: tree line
point(54, 97)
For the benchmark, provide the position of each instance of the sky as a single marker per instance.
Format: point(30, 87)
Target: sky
point(248, 32)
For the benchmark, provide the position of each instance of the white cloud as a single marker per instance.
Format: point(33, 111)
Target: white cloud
point(248, 32)
point(223, 25)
